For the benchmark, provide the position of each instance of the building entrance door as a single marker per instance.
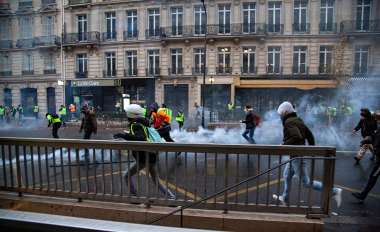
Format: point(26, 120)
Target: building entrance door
point(176, 98)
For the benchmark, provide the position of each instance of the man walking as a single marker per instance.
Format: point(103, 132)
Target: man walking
point(62, 113)
point(250, 125)
point(368, 126)
point(295, 133)
point(14, 111)
point(180, 119)
point(20, 113)
point(54, 119)
point(89, 125)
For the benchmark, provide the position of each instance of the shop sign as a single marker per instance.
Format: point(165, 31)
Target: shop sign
point(94, 83)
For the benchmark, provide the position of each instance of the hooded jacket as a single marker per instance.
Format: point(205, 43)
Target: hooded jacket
point(368, 125)
point(249, 120)
point(89, 123)
point(295, 130)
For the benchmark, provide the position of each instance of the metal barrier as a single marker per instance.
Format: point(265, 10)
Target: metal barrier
point(102, 117)
point(200, 171)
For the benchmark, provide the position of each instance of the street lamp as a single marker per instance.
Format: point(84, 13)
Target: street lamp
point(204, 68)
point(211, 80)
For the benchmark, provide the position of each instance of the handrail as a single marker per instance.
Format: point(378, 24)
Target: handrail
point(235, 185)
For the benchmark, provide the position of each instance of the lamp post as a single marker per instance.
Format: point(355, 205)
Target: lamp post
point(204, 68)
point(211, 80)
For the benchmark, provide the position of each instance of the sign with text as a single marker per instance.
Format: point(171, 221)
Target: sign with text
point(95, 83)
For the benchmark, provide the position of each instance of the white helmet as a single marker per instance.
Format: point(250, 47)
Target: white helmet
point(134, 111)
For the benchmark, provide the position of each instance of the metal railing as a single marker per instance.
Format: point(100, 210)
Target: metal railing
point(275, 29)
point(47, 2)
point(172, 31)
point(50, 71)
point(301, 28)
point(86, 37)
point(175, 71)
point(153, 33)
point(24, 4)
point(198, 70)
point(362, 70)
point(131, 35)
point(254, 28)
point(201, 171)
point(152, 71)
point(109, 73)
point(327, 28)
point(25, 43)
point(300, 69)
point(326, 70)
point(81, 74)
point(5, 44)
point(274, 70)
point(6, 73)
point(350, 26)
point(219, 116)
point(78, 1)
point(248, 70)
point(109, 36)
point(130, 72)
point(47, 40)
point(27, 72)
point(223, 70)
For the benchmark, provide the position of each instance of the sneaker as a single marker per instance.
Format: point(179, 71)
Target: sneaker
point(358, 196)
point(357, 160)
point(338, 197)
point(372, 158)
point(280, 199)
point(250, 142)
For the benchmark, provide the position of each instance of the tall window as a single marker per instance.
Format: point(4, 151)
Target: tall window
point(177, 21)
point(248, 60)
point(110, 64)
point(111, 26)
point(49, 26)
point(225, 19)
point(131, 65)
point(249, 18)
point(199, 57)
point(82, 27)
point(176, 62)
point(224, 60)
point(49, 63)
point(82, 63)
point(327, 16)
point(154, 22)
point(274, 60)
point(27, 64)
point(299, 60)
point(6, 64)
point(363, 14)
point(131, 24)
point(274, 17)
point(26, 28)
point(361, 59)
point(325, 59)
point(300, 17)
point(199, 21)
point(4, 30)
point(153, 62)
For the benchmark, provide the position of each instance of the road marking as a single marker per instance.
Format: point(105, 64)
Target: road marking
point(352, 190)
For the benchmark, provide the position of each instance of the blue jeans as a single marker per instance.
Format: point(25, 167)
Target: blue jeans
point(251, 133)
point(297, 165)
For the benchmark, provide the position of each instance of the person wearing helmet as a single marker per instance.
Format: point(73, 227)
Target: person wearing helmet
point(89, 125)
point(161, 122)
point(139, 132)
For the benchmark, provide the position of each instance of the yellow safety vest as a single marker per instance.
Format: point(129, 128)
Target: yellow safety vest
point(53, 120)
point(230, 106)
point(63, 111)
point(2, 111)
point(179, 117)
point(35, 108)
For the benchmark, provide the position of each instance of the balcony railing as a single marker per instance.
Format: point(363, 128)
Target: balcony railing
point(198, 70)
point(109, 36)
point(350, 26)
point(50, 71)
point(5, 6)
point(254, 28)
point(275, 29)
point(326, 70)
point(5, 44)
point(24, 4)
point(248, 70)
point(47, 40)
point(362, 70)
point(6, 73)
point(175, 71)
point(301, 28)
point(199, 29)
point(130, 72)
point(274, 70)
point(109, 73)
point(153, 33)
point(81, 74)
point(152, 71)
point(300, 69)
point(172, 31)
point(28, 72)
point(48, 2)
point(87, 37)
point(25, 43)
point(78, 1)
point(327, 28)
point(223, 70)
point(131, 35)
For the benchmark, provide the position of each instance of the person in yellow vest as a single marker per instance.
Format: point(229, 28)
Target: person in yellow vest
point(144, 110)
point(168, 111)
point(180, 119)
point(2, 112)
point(20, 112)
point(230, 106)
point(62, 114)
point(36, 111)
point(54, 119)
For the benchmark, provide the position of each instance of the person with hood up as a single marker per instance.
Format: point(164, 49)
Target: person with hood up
point(89, 125)
point(139, 132)
point(250, 124)
point(295, 133)
point(368, 126)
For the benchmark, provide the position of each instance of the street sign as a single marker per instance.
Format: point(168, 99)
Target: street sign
point(94, 83)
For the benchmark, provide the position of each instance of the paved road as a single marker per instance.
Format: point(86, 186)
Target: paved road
point(350, 176)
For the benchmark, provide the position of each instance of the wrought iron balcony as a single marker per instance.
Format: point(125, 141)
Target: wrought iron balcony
point(248, 70)
point(71, 2)
point(199, 30)
point(152, 71)
point(301, 69)
point(130, 72)
point(6, 73)
point(109, 73)
point(223, 70)
point(131, 35)
point(301, 28)
point(81, 74)
point(274, 70)
point(47, 40)
point(172, 31)
point(25, 43)
point(362, 70)
point(153, 33)
point(198, 70)
point(5, 44)
point(109, 36)
point(326, 70)
point(25, 4)
point(327, 28)
point(175, 71)
point(50, 71)
point(28, 72)
point(225, 29)
point(87, 37)
point(48, 2)
point(275, 29)
point(254, 28)
point(350, 26)
point(5, 6)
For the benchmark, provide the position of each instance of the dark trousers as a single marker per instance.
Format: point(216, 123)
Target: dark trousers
point(56, 126)
point(167, 137)
point(63, 120)
point(372, 179)
point(2, 118)
point(180, 125)
point(36, 115)
point(87, 135)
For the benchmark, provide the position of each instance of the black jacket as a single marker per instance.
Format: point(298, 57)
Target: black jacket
point(295, 131)
point(249, 120)
point(368, 126)
point(375, 141)
point(139, 135)
point(89, 123)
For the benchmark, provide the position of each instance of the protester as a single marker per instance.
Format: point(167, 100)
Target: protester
point(180, 119)
point(62, 113)
point(20, 110)
point(54, 119)
point(250, 124)
point(2, 113)
point(295, 133)
point(89, 125)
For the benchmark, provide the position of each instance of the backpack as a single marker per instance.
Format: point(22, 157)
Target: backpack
point(54, 116)
point(154, 136)
point(257, 119)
